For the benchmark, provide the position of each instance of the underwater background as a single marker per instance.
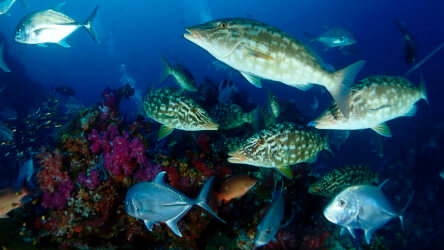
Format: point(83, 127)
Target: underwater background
point(77, 113)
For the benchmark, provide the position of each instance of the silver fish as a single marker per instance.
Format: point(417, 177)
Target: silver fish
point(258, 50)
point(51, 26)
point(362, 207)
point(5, 5)
point(373, 101)
point(156, 201)
point(335, 37)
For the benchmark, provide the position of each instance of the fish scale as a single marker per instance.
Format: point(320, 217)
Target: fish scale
point(373, 101)
point(280, 146)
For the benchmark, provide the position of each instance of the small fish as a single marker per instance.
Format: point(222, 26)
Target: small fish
point(410, 48)
point(362, 207)
point(51, 26)
point(230, 116)
point(373, 101)
point(5, 5)
point(258, 50)
point(174, 110)
point(156, 201)
point(3, 64)
point(272, 220)
point(335, 37)
point(340, 178)
point(182, 75)
point(10, 200)
point(280, 146)
point(235, 187)
point(270, 110)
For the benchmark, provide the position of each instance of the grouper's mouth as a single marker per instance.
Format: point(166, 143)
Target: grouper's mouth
point(192, 35)
point(236, 158)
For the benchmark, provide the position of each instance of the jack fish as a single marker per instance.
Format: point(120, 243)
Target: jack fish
point(156, 201)
point(280, 146)
point(258, 50)
point(51, 26)
point(174, 110)
point(373, 101)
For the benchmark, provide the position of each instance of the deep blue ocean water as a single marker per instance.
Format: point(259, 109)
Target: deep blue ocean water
point(135, 34)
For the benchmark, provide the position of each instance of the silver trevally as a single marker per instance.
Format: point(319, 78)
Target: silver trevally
point(5, 5)
point(156, 201)
point(362, 207)
point(335, 37)
point(51, 26)
point(258, 50)
point(3, 64)
point(271, 222)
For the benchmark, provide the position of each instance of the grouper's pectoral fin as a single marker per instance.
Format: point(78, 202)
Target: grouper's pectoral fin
point(285, 171)
point(256, 81)
point(148, 224)
point(164, 131)
point(383, 130)
point(256, 53)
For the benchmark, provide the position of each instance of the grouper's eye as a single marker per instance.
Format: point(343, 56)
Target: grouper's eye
point(222, 25)
point(341, 203)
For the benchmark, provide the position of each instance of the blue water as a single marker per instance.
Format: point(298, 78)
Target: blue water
point(135, 34)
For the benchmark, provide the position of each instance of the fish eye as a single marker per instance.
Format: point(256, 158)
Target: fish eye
point(260, 141)
point(194, 110)
point(222, 25)
point(341, 203)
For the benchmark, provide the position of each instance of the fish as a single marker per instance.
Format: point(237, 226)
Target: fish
point(410, 48)
point(25, 173)
point(6, 134)
point(279, 146)
point(270, 110)
point(226, 90)
point(182, 75)
point(3, 64)
point(51, 26)
point(258, 50)
point(174, 110)
point(335, 37)
point(340, 178)
point(272, 220)
point(374, 101)
point(156, 201)
point(363, 207)
point(235, 187)
point(230, 116)
point(10, 199)
point(5, 5)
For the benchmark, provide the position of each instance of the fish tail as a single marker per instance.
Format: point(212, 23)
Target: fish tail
point(401, 215)
point(327, 144)
point(340, 88)
point(2, 61)
point(166, 69)
point(254, 117)
point(422, 89)
point(89, 26)
point(201, 200)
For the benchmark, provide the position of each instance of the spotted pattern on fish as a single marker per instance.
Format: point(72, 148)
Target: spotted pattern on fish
point(170, 107)
point(337, 180)
point(271, 110)
point(230, 116)
point(282, 144)
point(373, 101)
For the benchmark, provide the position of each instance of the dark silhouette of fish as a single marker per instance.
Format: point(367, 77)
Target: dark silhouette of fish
point(410, 49)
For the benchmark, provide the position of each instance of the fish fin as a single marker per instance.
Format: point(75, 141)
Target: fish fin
point(412, 111)
point(401, 214)
point(254, 117)
point(159, 178)
point(368, 235)
point(42, 45)
point(256, 81)
point(341, 89)
point(285, 171)
point(172, 224)
point(64, 44)
point(58, 7)
point(164, 131)
point(148, 224)
point(352, 232)
point(201, 200)
point(166, 69)
point(383, 130)
point(89, 26)
point(256, 53)
point(2, 60)
point(422, 88)
point(289, 221)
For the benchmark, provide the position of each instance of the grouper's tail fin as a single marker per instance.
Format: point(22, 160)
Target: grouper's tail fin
point(340, 89)
point(2, 60)
point(89, 26)
point(201, 200)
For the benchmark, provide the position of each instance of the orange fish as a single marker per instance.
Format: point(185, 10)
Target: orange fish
point(235, 187)
point(10, 199)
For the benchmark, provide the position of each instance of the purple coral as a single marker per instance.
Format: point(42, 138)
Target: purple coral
point(57, 200)
point(91, 181)
point(148, 172)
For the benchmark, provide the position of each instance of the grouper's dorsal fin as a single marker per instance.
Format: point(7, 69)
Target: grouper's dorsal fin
point(159, 178)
